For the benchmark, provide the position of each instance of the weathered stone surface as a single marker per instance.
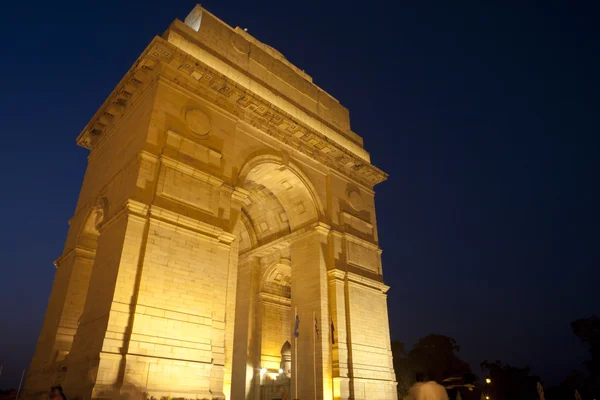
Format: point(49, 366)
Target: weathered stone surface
point(225, 194)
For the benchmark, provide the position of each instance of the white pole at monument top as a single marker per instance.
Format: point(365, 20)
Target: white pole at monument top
point(20, 383)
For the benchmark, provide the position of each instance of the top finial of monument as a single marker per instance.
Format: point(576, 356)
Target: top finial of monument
point(194, 18)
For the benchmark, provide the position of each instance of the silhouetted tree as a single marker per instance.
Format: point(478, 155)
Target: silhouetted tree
point(576, 380)
point(435, 356)
point(405, 374)
point(510, 382)
point(588, 331)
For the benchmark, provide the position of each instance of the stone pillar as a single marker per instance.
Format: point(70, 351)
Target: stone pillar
point(245, 370)
point(96, 359)
point(64, 310)
point(238, 196)
point(339, 357)
point(370, 363)
point(311, 365)
point(78, 264)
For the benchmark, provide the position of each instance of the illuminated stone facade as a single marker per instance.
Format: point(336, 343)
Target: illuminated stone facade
point(225, 194)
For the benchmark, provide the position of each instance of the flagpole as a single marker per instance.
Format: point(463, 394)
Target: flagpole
point(331, 343)
point(315, 355)
point(20, 383)
point(296, 355)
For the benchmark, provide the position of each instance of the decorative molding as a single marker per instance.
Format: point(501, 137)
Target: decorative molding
point(282, 242)
point(361, 281)
point(239, 194)
point(336, 275)
point(215, 233)
point(351, 238)
point(275, 299)
point(135, 81)
point(233, 98)
point(77, 251)
point(132, 209)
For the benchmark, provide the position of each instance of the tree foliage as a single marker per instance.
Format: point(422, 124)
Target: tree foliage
point(588, 331)
point(434, 356)
point(510, 382)
point(588, 385)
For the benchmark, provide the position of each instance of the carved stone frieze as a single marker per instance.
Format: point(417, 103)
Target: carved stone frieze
point(206, 82)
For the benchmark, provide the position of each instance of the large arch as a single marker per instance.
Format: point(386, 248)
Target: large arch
point(261, 163)
point(280, 203)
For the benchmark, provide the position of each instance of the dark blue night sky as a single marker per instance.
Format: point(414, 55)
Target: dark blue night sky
point(484, 115)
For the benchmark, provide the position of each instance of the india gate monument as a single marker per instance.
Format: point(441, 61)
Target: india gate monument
point(224, 244)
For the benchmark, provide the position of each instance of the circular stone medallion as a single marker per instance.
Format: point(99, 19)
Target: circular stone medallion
point(198, 121)
point(355, 200)
point(240, 44)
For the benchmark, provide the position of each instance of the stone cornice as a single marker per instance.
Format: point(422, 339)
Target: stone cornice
point(366, 282)
point(282, 242)
point(353, 238)
point(77, 251)
point(119, 100)
point(132, 209)
point(239, 194)
point(198, 227)
point(191, 74)
point(275, 299)
point(338, 275)
point(248, 107)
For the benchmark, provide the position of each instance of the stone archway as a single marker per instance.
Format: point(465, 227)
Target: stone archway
point(279, 213)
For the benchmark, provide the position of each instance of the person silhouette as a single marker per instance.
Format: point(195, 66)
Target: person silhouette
point(413, 392)
point(430, 390)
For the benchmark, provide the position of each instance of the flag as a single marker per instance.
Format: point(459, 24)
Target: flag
point(297, 326)
point(316, 327)
point(332, 332)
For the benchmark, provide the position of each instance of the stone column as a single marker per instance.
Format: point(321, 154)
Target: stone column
point(96, 359)
point(244, 367)
point(370, 362)
point(340, 351)
point(64, 310)
point(238, 196)
point(78, 265)
point(311, 365)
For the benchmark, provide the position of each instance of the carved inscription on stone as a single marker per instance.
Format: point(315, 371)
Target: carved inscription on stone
point(363, 257)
